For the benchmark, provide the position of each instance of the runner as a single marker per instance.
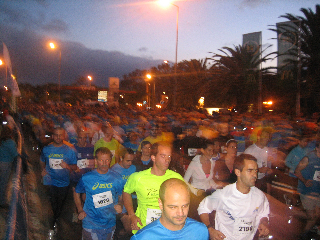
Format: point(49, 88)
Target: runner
point(173, 224)
point(102, 188)
point(241, 208)
point(146, 184)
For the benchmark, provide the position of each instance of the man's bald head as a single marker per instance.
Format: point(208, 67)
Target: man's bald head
point(174, 203)
point(174, 184)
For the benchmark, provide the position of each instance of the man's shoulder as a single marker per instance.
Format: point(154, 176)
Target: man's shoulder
point(148, 231)
point(251, 148)
point(114, 174)
point(140, 174)
point(116, 167)
point(172, 174)
point(194, 223)
point(258, 193)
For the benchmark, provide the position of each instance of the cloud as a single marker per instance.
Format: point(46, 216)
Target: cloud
point(13, 15)
point(55, 25)
point(253, 3)
point(143, 49)
point(34, 63)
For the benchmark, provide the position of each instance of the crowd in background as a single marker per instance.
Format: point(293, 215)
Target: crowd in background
point(190, 133)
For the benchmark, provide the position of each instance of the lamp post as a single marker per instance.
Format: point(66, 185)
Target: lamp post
point(6, 77)
point(90, 79)
point(148, 78)
point(166, 2)
point(53, 46)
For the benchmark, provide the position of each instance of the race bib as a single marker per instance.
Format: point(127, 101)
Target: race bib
point(243, 226)
point(113, 152)
point(83, 163)
point(316, 176)
point(152, 215)
point(102, 199)
point(192, 152)
point(55, 163)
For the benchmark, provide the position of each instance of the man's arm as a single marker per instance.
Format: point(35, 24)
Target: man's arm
point(118, 207)
point(70, 167)
point(43, 168)
point(127, 200)
point(302, 165)
point(78, 203)
point(214, 234)
point(263, 227)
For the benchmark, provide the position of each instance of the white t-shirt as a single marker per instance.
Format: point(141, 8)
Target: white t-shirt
point(237, 215)
point(196, 173)
point(261, 154)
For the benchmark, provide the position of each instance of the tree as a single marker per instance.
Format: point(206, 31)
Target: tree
point(237, 73)
point(309, 34)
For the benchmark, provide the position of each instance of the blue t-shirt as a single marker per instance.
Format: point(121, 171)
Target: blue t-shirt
point(52, 157)
point(192, 229)
point(102, 191)
point(311, 172)
point(293, 159)
point(124, 172)
point(83, 155)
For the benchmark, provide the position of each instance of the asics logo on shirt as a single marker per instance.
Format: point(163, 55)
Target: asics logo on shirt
point(125, 177)
point(102, 185)
point(55, 155)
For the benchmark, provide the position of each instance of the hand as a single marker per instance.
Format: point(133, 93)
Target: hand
point(269, 171)
point(201, 192)
point(263, 230)
point(308, 183)
point(118, 208)
point(44, 172)
point(82, 215)
point(215, 234)
point(63, 164)
point(134, 222)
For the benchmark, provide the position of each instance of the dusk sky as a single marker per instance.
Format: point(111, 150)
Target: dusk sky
point(145, 29)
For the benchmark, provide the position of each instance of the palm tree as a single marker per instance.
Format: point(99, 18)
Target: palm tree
point(238, 73)
point(309, 34)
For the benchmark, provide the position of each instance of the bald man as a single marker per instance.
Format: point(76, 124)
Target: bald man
point(174, 201)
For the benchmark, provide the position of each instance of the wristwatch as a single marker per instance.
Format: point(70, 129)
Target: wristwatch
point(210, 226)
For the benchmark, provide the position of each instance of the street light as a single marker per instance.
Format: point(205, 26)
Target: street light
point(90, 79)
point(53, 46)
point(148, 78)
point(6, 77)
point(166, 3)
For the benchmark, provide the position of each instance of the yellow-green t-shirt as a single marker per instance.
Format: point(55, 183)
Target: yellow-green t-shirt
point(146, 186)
point(114, 146)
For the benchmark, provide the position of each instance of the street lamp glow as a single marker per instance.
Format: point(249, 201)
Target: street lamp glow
point(90, 78)
point(52, 45)
point(148, 76)
point(164, 3)
point(1, 62)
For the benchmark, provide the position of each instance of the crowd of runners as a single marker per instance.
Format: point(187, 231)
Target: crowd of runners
point(174, 174)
